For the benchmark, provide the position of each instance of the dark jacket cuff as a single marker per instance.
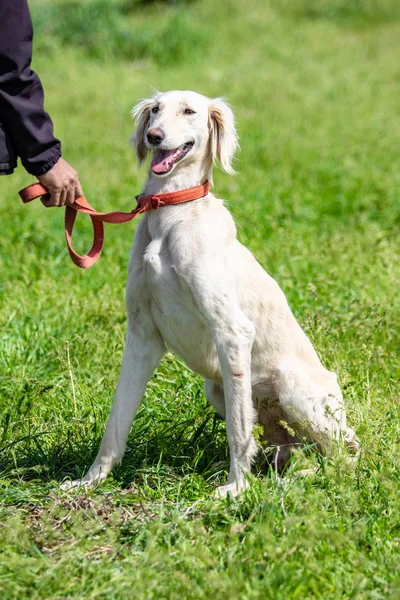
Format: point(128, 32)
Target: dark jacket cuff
point(41, 165)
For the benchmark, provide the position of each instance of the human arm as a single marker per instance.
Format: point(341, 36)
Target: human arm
point(22, 110)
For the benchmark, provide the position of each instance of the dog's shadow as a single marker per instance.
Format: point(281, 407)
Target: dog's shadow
point(171, 446)
point(174, 449)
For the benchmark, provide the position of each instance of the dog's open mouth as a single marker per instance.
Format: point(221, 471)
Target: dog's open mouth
point(164, 160)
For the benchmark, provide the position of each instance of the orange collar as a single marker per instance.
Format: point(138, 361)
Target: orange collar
point(144, 203)
point(179, 197)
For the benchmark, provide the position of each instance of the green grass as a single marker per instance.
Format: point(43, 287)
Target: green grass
point(315, 88)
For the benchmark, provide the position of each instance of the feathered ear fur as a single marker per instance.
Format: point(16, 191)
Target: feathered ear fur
point(141, 114)
point(223, 135)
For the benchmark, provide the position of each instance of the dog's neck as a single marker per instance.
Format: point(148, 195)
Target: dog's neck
point(180, 178)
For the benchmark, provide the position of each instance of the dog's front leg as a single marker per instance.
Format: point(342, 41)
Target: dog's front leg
point(233, 333)
point(234, 340)
point(143, 351)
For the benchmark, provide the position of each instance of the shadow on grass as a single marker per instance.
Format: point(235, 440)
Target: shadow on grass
point(156, 447)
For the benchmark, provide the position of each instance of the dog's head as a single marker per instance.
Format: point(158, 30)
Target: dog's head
point(182, 128)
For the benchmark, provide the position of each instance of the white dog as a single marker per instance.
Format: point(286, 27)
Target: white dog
point(194, 288)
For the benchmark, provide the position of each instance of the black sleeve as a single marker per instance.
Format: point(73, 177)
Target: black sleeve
point(21, 93)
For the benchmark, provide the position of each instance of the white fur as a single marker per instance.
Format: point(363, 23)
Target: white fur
point(194, 288)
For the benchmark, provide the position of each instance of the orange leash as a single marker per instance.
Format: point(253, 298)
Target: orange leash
point(144, 203)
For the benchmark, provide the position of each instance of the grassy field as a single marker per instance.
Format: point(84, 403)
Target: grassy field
point(315, 86)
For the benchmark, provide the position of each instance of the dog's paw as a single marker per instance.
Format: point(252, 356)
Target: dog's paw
point(234, 489)
point(305, 472)
point(353, 444)
point(73, 484)
point(86, 482)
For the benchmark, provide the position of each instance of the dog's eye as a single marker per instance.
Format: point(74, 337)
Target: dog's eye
point(188, 111)
point(155, 109)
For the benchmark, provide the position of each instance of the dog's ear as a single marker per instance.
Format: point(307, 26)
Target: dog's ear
point(223, 135)
point(141, 114)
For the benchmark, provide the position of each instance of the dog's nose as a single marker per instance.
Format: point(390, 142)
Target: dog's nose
point(155, 136)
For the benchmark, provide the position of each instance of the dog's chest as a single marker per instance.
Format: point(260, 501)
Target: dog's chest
point(175, 313)
point(154, 262)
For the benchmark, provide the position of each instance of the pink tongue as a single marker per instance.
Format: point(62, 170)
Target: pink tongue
point(162, 161)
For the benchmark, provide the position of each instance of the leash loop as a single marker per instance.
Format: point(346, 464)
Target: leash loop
point(86, 261)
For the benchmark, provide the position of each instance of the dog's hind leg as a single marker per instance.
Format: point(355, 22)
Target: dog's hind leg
point(313, 405)
point(143, 351)
point(277, 438)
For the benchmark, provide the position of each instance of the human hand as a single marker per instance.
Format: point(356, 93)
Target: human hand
point(63, 184)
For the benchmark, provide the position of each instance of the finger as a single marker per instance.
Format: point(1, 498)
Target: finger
point(46, 200)
point(70, 198)
point(63, 197)
point(78, 190)
point(55, 199)
point(50, 200)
